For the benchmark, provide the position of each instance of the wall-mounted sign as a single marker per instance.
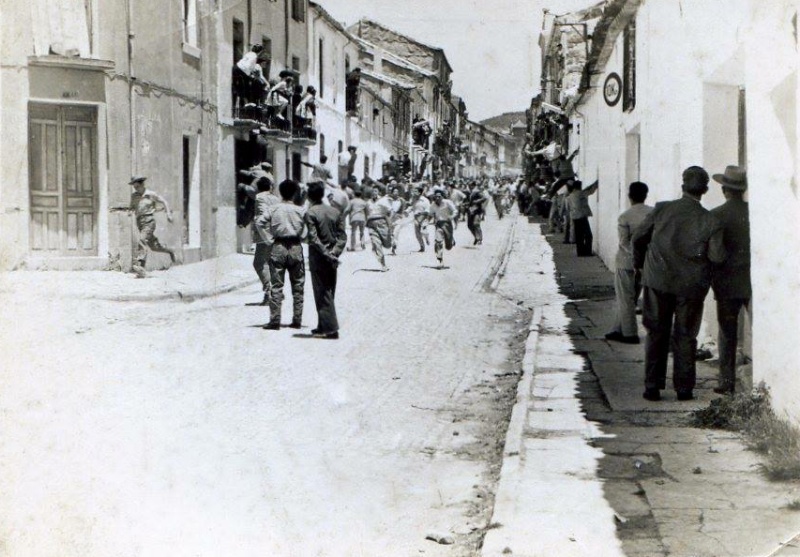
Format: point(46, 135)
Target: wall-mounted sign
point(612, 89)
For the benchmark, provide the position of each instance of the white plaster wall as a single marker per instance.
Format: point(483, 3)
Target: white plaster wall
point(772, 101)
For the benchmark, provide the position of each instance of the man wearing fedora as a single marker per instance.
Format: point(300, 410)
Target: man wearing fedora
point(676, 246)
point(144, 203)
point(731, 279)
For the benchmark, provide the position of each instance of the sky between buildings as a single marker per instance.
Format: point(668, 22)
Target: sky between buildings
point(492, 45)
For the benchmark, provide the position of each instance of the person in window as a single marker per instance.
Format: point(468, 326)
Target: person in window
point(249, 77)
point(352, 81)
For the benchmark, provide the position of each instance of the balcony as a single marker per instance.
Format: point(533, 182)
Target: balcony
point(268, 123)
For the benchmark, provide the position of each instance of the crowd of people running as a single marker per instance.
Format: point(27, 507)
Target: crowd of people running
point(320, 212)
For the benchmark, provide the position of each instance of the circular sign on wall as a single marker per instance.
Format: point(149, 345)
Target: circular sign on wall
point(612, 89)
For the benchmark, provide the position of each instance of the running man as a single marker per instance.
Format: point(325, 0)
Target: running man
point(443, 211)
point(420, 209)
point(379, 224)
point(144, 203)
point(475, 212)
point(357, 211)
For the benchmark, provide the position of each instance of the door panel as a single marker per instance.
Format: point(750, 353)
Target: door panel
point(63, 179)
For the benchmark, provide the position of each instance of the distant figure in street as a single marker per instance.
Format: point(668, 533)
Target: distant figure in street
point(398, 215)
point(443, 212)
point(457, 197)
point(347, 163)
point(420, 210)
point(731, 280)
point(357, 212)
point(476, 209)
point(379, 224)
point(625, 328)
point(579, 213)
point(676, 245)
point(327, 239)
point(143, 204)
point(285, 223)
point(264, 200)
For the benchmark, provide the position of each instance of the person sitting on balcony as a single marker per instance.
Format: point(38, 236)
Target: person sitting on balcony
point(352, 81)
point(296, 98)
point(248, 77)
point(278, 97)
point(306, 109)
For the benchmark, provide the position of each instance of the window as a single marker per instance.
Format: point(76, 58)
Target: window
point(297, 168)
point(62, 28)
point(299, 10)
point(187, 187)
point(366, 166)
point(321, 146)
point(296, 63)
point(266, 55)
point(238, 40)
point(341, 147)
point(190, 22)
point(629, 68)
point(321, 64)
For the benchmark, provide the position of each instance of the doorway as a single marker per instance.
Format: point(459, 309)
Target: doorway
point(63, 179)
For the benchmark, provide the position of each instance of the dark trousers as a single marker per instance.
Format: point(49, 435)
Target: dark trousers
point(323, 281)
point(659, 311)
point(286, 257)
point(147, 239)
point(728, 310)
point(474, 225)
point(583, 236)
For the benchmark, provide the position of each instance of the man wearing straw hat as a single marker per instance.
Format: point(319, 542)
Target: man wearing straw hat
point(731, 279)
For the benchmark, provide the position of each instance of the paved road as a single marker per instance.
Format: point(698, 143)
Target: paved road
point(139, 429)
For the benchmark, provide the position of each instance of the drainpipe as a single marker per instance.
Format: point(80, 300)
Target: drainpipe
point(131, 95)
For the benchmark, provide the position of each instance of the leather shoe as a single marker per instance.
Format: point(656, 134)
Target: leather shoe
point(328, 336)
point(723, 391)
point(295, 325)
point(652, 394)
point(272, 326)
point(614, 335)
point(685, 395)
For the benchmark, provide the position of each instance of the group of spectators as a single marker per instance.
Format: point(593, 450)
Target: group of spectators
point(282, 103)
point(668, 259)
point(317, 213)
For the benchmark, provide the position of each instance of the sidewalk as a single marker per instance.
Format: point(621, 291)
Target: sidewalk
point(591, 468)
point(181, 282)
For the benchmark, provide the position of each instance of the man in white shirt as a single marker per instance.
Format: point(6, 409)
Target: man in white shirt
point(347, 163)
point(442, 211)
point(625, 328)
point(420, 209)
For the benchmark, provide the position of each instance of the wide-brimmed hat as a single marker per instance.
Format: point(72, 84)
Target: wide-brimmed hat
point(734, 177)
point(137, 180)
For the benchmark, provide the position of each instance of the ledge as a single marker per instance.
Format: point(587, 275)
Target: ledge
point(191, 50)
point(53, 61)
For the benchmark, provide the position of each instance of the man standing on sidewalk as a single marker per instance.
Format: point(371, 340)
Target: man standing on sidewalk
point(731, 280)
point(676, 245)
point(579, 212)
point(143, 204)
point(285, 223)
point(625, 328)
point(327, 238)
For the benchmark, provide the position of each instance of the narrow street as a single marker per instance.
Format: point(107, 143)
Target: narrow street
point(186, 429)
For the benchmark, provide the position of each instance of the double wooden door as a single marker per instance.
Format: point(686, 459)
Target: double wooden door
point(62, 146)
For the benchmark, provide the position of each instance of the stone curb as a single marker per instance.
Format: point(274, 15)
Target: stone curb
point(512, 450)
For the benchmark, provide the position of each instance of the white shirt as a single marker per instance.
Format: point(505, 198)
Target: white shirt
point(249, 65)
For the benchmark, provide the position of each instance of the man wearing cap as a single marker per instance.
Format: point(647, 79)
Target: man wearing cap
point(143, 204)
point(443, 211)
point(676, 245)
point(731, 279)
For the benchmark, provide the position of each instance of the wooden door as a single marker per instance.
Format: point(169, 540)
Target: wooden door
point(63, 180)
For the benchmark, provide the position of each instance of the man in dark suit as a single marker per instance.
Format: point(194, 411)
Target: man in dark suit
point(731, 279)
point(676, 246)
point(327, 238)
